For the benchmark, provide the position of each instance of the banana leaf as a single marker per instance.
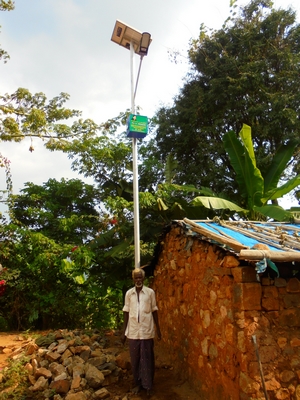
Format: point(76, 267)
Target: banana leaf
point(217, 203)
point(248, 176)
point(275, 212)
point(282, 190)
point(246, 136)
point(278, 165)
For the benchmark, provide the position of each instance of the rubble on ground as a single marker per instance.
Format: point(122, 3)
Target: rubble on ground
point(74, 365)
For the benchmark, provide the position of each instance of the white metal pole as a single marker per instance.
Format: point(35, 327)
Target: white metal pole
point(136, 217)
point(132, 77)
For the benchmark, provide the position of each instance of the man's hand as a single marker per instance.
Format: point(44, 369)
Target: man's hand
point(126, 317)
point(158, 334)
point(123, 338)
point(155, 317)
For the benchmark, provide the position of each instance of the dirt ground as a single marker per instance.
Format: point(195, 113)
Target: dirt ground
point(167, 386)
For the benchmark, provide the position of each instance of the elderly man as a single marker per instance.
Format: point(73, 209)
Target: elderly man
point(140, 320)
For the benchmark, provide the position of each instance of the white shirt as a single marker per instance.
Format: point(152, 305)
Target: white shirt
point(140, 322)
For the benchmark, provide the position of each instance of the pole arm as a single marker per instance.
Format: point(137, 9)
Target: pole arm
point(138, 77)
point(132, 79)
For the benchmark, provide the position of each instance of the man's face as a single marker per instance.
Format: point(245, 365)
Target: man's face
point(138, 279)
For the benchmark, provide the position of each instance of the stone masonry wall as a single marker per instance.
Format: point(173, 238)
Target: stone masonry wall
point(210, 306)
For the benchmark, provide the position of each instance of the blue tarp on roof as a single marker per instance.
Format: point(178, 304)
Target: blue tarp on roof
point(240, 237)
point(279, 237)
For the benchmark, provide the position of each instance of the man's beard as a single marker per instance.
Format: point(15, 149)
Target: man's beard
point(138, 285)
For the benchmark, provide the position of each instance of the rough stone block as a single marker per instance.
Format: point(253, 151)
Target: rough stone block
point(280, 282)
point(40, 384)
point(270, 304)
point(266, 281)
point(93, 376)
point(123, 360)
point(293, 286)
point(268, 353)
point(272, 384)
point(61, 387)
point(247, 296)
point(53, 356)
point(101, 394)
point(270, 300)
point(66, 354)
point(75, 384)
point(247, 384)
point(295, 342)
point(173, 264)
point(291, 300)
point(43, 372)
point(286, 376)
point(244, 274)
point(290, 317)
point(219, 271)
point(230, 262)
point(270, 291)
point(76, 396)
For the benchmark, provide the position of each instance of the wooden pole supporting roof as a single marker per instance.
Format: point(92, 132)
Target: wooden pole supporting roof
point(284, 237)
point(276, 256)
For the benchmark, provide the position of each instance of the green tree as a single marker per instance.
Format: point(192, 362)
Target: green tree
point(77, 244)
point(246, 72)
point(23, 114)
point(50, 284)
point(41, 292)
point(105, 155)
point(64, 211)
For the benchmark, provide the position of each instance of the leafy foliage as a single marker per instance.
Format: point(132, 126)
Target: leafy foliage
point(49, 285)
point(246, 72)
point(255, 190)
point(38, 291)
point(64, 211)
point(6, 5)
point(56, 272)
point(6, 194)
point(25, 114)
point(14, 385)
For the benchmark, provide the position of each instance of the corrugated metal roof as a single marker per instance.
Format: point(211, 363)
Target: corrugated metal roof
point(281, 240)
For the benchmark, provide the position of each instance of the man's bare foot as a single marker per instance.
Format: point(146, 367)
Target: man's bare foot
point(136, 389)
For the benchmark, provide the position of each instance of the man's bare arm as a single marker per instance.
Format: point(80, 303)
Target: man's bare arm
point(125, 323)
point(155, 317)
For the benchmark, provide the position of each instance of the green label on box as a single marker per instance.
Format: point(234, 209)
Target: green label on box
point(138, 123)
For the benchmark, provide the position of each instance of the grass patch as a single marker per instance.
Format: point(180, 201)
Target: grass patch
point(14, 385)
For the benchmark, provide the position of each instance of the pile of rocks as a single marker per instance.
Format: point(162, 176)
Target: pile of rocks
point(74, 366)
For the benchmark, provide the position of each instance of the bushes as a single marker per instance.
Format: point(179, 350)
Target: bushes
point(46, 288)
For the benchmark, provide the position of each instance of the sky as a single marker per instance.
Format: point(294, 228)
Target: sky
point(65, 46)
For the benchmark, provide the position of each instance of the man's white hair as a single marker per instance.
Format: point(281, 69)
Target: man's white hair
point(137, 271)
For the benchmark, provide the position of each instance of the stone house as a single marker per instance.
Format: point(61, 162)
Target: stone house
point(229, 304)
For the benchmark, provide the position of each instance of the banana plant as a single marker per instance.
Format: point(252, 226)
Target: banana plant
point(205, 205)
point(256, 189)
